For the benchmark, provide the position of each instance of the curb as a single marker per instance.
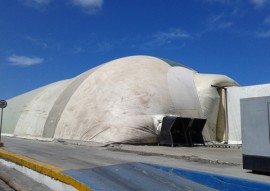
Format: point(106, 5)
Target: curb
point(43, 168)
point(11, 183)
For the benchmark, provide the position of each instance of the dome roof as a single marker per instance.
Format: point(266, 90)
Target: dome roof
point(118, 101)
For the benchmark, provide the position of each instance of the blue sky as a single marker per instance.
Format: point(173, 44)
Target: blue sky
point(44, 41)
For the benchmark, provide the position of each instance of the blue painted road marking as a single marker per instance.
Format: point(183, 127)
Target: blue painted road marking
point(144, 176)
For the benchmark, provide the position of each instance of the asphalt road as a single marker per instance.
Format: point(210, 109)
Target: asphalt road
point(126, 167)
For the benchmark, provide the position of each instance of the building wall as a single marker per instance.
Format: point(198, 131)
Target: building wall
point(234, 116)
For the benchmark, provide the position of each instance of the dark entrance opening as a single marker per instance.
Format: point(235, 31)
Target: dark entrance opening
point(183, 131)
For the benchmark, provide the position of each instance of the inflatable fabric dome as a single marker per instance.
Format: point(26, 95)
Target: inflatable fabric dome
point(122, 101)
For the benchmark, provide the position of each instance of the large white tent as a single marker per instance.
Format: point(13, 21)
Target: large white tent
point(120, 101)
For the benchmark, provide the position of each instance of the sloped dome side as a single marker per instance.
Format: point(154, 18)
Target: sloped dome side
point(16, 107)
point(117, 101)
point(183, 92)
point(34, 115)
point(61, 102)
point(210, 101)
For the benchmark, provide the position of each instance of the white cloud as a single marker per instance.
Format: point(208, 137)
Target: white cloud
point(225, 2)
point(260, 3)
point(267, 20)
point(37, 41)
point(78, 50)
point(225, 25)
point(217, 1)
point(89, 6)
point(216, 18)
point(105, 46)
point(36, 3)
point(42, 1)
point(166, 38)
point(263, 34)
point(218, 22)
point(24, 60)
point(171, 35)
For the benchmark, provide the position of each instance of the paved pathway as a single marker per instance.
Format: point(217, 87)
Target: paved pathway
point(123, 167)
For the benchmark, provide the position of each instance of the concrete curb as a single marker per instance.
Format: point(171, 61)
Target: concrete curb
point(11, 182)
point(43, 168)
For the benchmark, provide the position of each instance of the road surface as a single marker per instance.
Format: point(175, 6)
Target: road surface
point(127, 167)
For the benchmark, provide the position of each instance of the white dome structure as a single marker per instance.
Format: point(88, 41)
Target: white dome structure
point(122, 101)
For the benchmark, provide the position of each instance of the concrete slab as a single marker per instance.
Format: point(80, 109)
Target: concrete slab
point(18, 181)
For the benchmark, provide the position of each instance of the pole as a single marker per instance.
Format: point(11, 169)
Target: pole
point(3, 104)
point(1, 123)
point(227, 118)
